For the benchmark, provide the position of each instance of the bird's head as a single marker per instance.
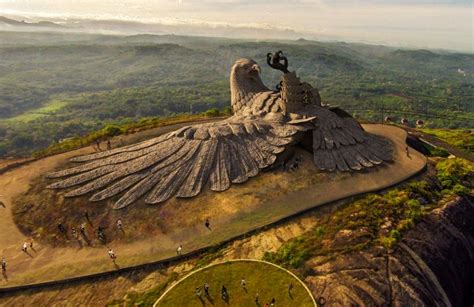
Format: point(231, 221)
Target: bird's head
point(246, 70)
point(245, 83)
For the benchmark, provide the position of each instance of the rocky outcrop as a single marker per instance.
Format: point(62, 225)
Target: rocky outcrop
point(432, 265)
point(440, 250)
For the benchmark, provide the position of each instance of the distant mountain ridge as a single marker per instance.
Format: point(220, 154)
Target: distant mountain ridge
point(128, 27)
point(58, 84)
point(4, 21)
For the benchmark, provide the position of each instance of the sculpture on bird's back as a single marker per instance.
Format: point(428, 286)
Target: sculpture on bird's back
point(265, 126)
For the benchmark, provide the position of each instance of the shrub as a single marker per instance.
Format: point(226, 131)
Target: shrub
point(414, 209)
point(437, 152)
point(228, 111)
point(212, 112)
point(457, 189)
point(422, 189)
point(112, 130)
point(388, 242)
point(3, 148)
point(405, 224)
point(451, 172)
point(320, 231)
point(293, 254)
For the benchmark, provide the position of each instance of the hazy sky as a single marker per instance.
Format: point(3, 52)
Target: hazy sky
point(414, 23)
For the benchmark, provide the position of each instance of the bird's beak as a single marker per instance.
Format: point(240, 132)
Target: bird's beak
point(256, 68)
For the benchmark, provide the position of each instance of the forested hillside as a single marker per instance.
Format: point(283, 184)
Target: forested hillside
point(55, 86)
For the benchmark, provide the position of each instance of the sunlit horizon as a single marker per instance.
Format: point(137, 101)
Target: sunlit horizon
point(414, 24)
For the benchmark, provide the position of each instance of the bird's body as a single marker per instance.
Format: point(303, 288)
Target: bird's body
point(265, 124)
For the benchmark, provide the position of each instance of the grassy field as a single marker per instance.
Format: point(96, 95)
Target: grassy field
point(48, 108)
point(262, 278)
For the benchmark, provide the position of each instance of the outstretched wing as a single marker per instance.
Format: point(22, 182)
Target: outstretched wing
point(179, 163)
point(341, 143)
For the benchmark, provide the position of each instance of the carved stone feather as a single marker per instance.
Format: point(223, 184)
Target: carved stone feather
point(265, 123)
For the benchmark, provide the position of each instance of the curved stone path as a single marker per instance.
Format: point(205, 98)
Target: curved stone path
point(48, 263)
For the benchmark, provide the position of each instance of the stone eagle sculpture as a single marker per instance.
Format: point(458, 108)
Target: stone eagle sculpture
point(264, 126)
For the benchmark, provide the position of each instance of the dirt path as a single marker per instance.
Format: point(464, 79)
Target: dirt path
point(49, 263)
point(439, 143)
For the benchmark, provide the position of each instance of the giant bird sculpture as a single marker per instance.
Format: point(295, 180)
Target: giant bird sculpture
point(266, 125)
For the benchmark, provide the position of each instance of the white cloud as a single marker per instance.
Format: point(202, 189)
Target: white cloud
point(431, 23)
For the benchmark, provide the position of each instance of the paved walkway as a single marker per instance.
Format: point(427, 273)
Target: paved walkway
point(47, 263)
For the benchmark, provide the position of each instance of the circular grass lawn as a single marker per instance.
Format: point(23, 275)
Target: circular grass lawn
point(266, 279)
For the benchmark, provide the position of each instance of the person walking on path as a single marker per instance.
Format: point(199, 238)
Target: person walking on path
point(4, 269)
point(25, 247)
point(224, 293)
point(198, 292)
point(2, 204)
point(119, 224)
point(243, 284)
point(179, 250)
point(207, 224)
point(109, 145)
point(61, 228)
point(206, 289)
point(97, 144)
point(82, 229)
point(407, 151)
point(272, 303)
point(112, 255)
point(4, 265)
point(87, 217)
point(257, 299)
point(101, 234)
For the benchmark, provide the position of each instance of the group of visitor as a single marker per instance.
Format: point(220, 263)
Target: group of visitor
point(243, 285)
point(100, 235)
point(97, 145)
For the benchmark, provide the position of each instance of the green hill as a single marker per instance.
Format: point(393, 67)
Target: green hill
point(100, 80)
